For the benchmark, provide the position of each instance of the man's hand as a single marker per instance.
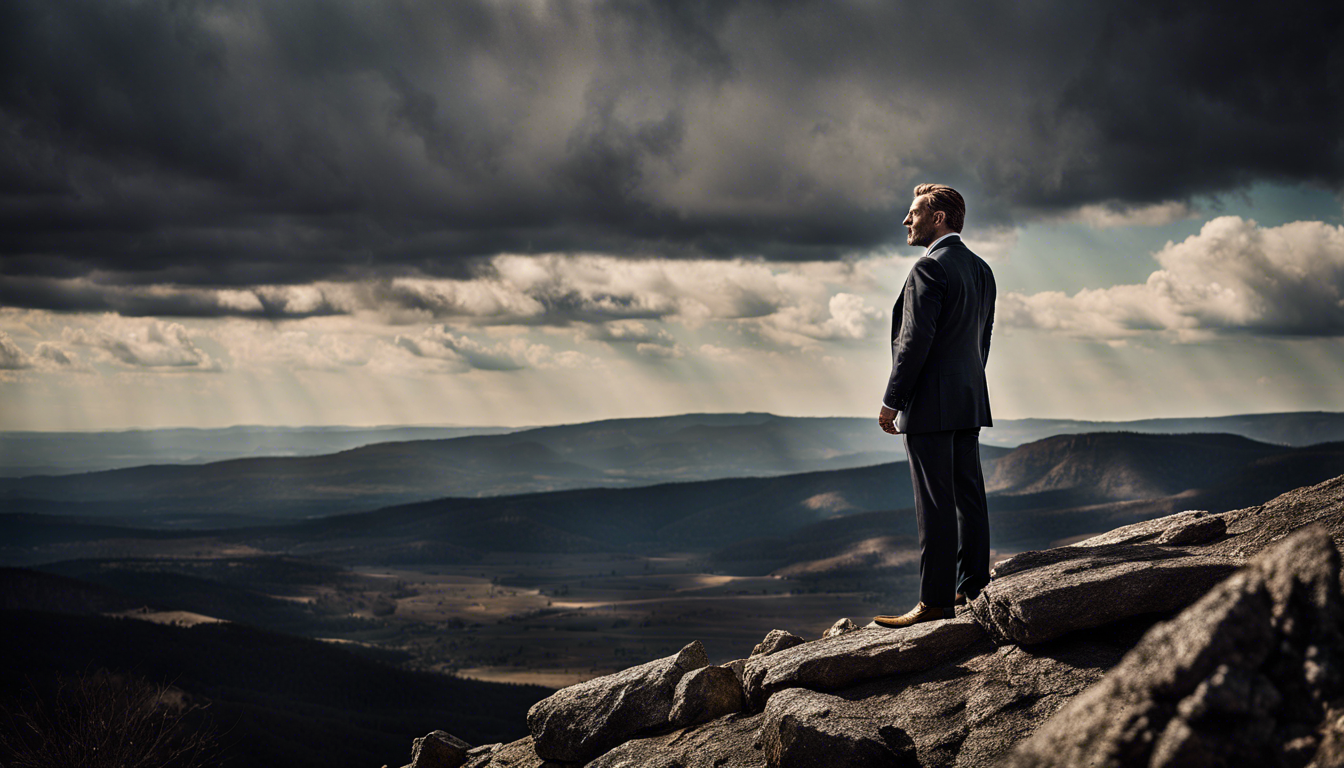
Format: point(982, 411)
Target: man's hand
point(886, 419)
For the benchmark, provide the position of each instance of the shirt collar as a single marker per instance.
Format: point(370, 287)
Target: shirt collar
point(935, 243)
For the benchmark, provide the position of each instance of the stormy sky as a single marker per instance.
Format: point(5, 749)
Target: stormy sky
point(304, 212)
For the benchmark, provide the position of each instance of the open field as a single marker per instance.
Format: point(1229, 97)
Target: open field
point(545, 619)
point(555, 620)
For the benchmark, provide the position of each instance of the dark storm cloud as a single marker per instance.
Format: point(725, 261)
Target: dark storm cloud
point(144, 301)
point(1194, 98)
point(205, 144)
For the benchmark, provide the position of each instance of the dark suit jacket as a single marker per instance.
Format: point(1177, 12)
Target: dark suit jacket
point(940, 342)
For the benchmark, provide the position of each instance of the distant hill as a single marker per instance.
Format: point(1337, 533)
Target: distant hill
point(26, 590)
point(1040, 492)
point(1119, 466)
point(1057, 488)
point(1231, 474)
point(1032, 521)
point(688, 515)
point(703, 514)
point(60, 453)
point(1297, 428)
point(628, 452)
point(605, 454)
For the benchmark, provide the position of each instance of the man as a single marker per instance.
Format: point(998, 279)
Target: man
point(937, 398)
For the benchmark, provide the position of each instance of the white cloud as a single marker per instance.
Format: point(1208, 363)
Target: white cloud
point(716, 352)
point(629, 332)
point(46, 356)
point(142, 343)
point(850, 318)
point(660, 351)
point(555, 289)
point(1233, 276)
point(1111, 216)
point(993, 243)
point(481, 298)
point(436, 343)
point(258, 344)
point(11, 357)
point(624, 301)
point(544, 312)
point(49, 356)
point(457, 353)
point(846, 317)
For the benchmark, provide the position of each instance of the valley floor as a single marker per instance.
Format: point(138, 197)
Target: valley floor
point(555, 620)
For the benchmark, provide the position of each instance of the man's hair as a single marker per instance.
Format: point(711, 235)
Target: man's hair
point(946, 199)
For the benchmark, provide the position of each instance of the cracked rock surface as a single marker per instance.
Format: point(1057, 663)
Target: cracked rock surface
point(1244, 676)
point(578, 723)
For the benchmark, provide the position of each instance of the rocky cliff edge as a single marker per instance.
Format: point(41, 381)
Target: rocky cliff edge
point(1195, 639)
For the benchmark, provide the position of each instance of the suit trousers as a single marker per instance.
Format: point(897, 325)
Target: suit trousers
point(952, 513)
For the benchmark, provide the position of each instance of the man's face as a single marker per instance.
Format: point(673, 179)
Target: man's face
point(921, 223)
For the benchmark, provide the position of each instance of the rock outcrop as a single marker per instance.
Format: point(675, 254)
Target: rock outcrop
point(839, 628)
point(777, 640)
point(972, 710)
point(482, 752)
point(728, 741)
point(738, 666)
point(806, 729)
point(854, 657)
point(517, 754)
point(1191, 640)
point(438, 749)
point(1251, 530)
point(1244, 676)
point(1331, 752)
point(705, 694)
point(580, 722)
point(1046, 595)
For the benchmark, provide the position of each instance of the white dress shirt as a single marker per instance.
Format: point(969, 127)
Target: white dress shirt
point(935, 243)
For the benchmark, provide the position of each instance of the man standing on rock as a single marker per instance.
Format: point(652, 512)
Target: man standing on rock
point(938, 399)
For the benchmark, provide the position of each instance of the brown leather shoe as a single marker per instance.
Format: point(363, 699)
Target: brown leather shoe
point(915, 615)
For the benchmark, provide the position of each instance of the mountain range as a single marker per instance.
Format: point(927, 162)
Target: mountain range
point(1039, 493)
point(59, 453)
point(605, 454)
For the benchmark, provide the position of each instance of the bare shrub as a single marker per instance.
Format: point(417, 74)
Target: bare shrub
point(105, 720)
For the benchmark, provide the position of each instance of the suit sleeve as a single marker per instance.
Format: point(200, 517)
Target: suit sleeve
point(924, 292)
point(991, 291)
point(984, 344)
